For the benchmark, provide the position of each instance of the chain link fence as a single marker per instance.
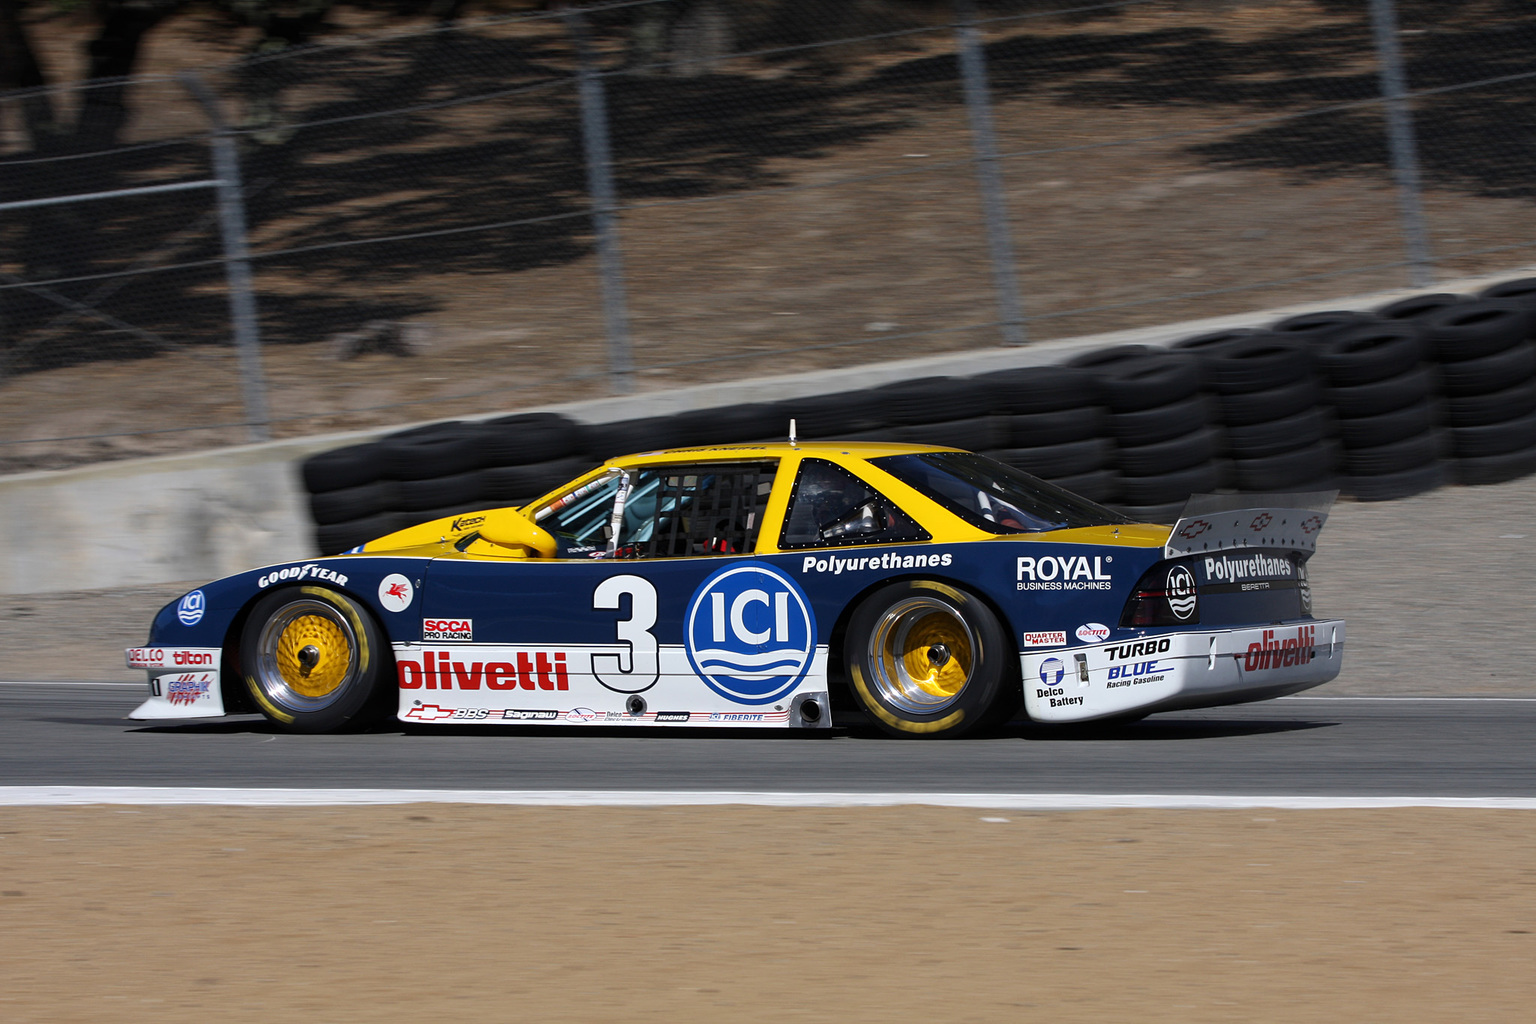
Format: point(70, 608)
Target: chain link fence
point(489, 215)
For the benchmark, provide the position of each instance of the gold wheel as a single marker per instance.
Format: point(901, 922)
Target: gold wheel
point(306, 655)
point(922, 654)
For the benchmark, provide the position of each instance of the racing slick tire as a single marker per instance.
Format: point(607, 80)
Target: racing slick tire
point(1160, 423)
point(1263, 406)
point(1320, 328)
point(1395, 456)
point(1257, 440)
point(1471, 330)
point(311, 658)
point(1170, 456)
point(1383, 395)
point(927, 660)
point(1369, 431)
point(1494, 407)
point(1032, 430)
point(1391, 486)
point(1494, 438)
point(1495, 469)
point(1417, 307)
point(1370, 352)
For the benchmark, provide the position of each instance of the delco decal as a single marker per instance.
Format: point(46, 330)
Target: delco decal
point(1227, 569)
point(437, 671)
point(447, 629)
point(1064, 572)
point(307, 571)
point(1047, 639)
point(160, 657)
point(1271, 652)
point(188, 688)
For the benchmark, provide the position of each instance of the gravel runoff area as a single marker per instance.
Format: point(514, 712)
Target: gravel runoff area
point(1434, 589)
point(449, 912)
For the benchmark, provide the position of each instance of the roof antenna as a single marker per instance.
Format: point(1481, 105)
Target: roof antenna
point(792, 432)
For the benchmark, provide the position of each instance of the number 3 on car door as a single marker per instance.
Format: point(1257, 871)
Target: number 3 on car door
point(637, 670)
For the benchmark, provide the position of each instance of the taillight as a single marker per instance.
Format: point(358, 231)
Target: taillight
point(1165, 596)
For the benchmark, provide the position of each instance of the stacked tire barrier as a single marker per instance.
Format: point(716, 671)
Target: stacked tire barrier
point(1165, 447)
point(1486, 365)
point(1382, 405)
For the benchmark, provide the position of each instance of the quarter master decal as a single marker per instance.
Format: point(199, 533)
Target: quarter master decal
point(749, 633)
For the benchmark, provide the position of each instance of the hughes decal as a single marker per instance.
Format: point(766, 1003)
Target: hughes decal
point(447, 629)
point(438, 671)
point(307, 571)
point(1272, 652)
point(1070, 572)
point(890, 560)
point(1226, 569)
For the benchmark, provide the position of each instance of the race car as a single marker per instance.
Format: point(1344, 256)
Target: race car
point(929, 590)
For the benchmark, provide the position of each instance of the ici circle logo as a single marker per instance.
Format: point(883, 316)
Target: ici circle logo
point(190, 609)
point(749, 633)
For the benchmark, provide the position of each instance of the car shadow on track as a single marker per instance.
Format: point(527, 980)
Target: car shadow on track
point(1154, 729)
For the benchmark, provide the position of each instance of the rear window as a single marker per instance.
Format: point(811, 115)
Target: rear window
point(995, 497)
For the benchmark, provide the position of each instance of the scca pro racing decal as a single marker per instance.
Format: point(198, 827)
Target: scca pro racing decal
point(749, 633)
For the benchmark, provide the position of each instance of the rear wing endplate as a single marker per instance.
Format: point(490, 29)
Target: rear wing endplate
point(1222, 522)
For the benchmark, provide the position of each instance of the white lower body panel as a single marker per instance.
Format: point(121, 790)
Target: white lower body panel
point(544, 686)
point(1167, 671)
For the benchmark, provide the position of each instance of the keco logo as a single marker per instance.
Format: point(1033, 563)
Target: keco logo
point(1092, 632)
point(1181, 592)
point(749, 633)
point(189, 610)
point(447, 629)
point(395, 593)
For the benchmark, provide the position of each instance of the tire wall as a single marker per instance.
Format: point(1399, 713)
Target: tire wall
point(1380, 404)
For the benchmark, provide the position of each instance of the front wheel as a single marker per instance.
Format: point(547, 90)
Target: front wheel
point(927, 659)
point(310, 658)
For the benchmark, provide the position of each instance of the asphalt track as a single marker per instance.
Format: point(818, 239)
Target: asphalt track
point(76, 735)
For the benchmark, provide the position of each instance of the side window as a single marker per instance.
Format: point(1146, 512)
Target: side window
point(669, 512)
point(831, 507)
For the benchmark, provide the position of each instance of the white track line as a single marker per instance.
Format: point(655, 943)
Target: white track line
point(57, 796)
point(66, 682)
point(1461, 700)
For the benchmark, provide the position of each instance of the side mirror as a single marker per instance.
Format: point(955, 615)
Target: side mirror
point(509, 528)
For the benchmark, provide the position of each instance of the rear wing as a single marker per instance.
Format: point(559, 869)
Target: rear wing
point(1222, 522)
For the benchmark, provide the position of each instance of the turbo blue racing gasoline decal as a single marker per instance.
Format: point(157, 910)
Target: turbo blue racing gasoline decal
point(749, 633)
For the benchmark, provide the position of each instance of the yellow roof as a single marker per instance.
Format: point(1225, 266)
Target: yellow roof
point(779, 449)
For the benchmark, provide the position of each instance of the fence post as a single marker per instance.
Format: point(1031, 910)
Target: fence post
point(1400, 139)
point(610, 260)
point(237, 265)
point(973, 74)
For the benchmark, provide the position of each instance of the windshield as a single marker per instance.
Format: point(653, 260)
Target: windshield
point(995, 497)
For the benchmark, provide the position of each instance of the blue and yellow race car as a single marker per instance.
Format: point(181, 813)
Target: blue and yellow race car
point(933, 590)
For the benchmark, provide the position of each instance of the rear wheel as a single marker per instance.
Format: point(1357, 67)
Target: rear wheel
point(311, 658)
point(926, 660)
